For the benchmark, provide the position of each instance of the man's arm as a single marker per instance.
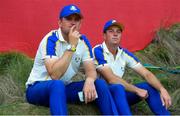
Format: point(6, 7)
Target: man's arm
point(151, 79)
point(89, 87)
point(57, 67)
point(110, 77)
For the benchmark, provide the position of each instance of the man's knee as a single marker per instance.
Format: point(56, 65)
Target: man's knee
point(100, 83)
point(148, 87)
point(117, 89)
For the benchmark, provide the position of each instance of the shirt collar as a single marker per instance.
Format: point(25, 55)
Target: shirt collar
point(107, 50)
point(60, 37)
point(105, 47)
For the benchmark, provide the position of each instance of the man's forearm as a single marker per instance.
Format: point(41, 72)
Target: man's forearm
point(91, 74)
point(129, 87)
point(90, 71)
point(152, 80)
point(61, 65)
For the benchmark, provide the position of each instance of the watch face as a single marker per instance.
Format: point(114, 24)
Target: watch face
point(71, 48)
point(68, 47)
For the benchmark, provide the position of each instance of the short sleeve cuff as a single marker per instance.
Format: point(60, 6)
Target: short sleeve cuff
point(89, 59)
point(101, 66)
point(49, 56)
point(137, 65)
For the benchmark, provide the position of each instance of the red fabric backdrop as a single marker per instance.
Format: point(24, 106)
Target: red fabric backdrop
point(23, 23)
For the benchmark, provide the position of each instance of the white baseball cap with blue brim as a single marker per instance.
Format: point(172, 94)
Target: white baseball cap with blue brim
point(69, 10)
point(113, 22)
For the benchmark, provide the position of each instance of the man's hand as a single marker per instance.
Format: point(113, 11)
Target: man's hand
point(165, 97)
point(89, 90)
point(74, 36)
point(142, 93)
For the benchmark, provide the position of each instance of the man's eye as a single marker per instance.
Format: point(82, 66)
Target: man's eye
point(118, 31)
point(77, 19)
point(110, 31)
point(68, 18)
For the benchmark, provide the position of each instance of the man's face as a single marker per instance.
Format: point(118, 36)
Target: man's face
point(112, 36)
point(67, 22)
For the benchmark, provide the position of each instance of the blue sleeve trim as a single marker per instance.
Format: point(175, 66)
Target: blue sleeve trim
point(51, 45)
point(86, 41)
point(98, 52)
point(131, 55)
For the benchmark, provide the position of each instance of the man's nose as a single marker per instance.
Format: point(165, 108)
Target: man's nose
point(73, 21)
point(115, 33)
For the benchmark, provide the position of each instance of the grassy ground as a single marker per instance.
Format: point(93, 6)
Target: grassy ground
point(163, 52)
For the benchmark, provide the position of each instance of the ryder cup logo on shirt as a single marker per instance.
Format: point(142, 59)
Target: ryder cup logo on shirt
point(73, 8)
point(77, 59)
point(122, 68)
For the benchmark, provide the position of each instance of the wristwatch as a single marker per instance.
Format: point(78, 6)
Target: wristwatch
point(71, 48)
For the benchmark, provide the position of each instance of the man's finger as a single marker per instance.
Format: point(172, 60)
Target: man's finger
point(85, 97)
point(94, 95)
point(170, 102)
point(72, 29)
point(162, 100)
point(147, 95)
point(166, 103)
point(88, 97)
point(76, 33)
point(79, 35)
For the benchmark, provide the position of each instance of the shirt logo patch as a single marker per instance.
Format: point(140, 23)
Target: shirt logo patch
point(77, 59)
point(122, 68)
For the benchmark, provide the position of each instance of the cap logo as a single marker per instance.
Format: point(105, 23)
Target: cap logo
point(113, 21)
point(73, 8)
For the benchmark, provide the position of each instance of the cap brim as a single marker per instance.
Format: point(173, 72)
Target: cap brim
point(80, 15)
point(119, 25)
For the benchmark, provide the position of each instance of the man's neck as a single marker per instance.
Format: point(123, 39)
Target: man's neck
point(65, 36)
point(113, 49)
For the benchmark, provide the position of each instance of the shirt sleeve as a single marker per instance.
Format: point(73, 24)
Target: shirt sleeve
point(87, 54)
point(99, 57)
point(48, 46)
point(131, 60)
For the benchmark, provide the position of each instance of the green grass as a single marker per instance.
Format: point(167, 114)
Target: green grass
point(14, 71)
point(16, 65)
point(20, 108)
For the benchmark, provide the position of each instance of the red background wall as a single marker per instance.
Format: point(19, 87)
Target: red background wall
point(23, 23)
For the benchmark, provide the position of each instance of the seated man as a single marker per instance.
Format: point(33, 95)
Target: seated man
point(57, 60)
point(111, 61)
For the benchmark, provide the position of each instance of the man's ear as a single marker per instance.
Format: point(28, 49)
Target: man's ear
point(104, 35)
point(59, 22)
point(80, 25)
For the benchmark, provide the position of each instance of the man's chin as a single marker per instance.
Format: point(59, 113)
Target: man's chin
point(116, 43)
